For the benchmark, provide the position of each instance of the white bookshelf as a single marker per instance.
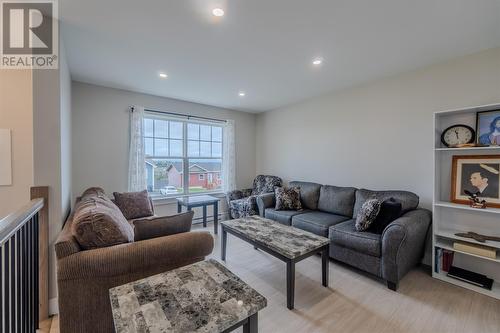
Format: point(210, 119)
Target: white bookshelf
point(450, 218)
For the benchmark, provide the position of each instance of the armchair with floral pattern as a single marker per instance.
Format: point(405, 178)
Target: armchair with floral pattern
point(243, 203)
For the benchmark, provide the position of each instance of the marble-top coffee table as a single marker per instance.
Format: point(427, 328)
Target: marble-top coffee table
point(202, 297)
point(289, 244)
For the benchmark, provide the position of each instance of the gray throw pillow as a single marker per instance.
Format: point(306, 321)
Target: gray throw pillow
point(287, 198)
point(134, 205)
point(367, 214)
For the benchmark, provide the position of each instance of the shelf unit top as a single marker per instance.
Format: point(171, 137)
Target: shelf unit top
point(479, 108)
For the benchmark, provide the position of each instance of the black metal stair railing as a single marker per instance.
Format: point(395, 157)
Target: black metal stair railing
point(19, 288)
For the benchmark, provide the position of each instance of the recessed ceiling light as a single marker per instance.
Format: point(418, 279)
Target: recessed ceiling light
point(317, 61)
point(218, 12)
point(163, 75)
point(241, 94)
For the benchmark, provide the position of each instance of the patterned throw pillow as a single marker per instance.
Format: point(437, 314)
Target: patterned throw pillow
point(288, 198)
point(367, 214)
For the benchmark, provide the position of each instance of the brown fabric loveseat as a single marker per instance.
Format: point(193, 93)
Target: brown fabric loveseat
point(84, 277)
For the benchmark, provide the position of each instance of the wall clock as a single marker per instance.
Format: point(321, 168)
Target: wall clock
point(458, 135)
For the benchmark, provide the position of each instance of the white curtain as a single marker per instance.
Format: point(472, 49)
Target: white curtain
point(136, 168)
point(228, 169)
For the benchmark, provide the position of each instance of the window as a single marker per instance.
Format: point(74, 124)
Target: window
point(180, 152)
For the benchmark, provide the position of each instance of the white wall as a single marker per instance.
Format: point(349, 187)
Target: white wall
point(378, 135)
point(16, 114)
point(65, 106)
point(100, 124)
point(52, 144)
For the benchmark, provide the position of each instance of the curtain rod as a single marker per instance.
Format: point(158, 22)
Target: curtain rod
point(181, 115)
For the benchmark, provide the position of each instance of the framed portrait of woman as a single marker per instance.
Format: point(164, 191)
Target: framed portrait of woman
point(479, 175)
point(488, 128)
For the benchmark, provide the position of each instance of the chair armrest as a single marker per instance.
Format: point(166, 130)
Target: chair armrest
point(132, 257)
point(238, 194)
point(265, 201)
point(403, 243)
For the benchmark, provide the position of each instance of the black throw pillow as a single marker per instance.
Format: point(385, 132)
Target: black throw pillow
point(389, 211)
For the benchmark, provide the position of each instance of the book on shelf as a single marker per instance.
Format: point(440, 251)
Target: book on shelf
point(480, 250)
point(438, 252)
point(443, 260)
point(476, 279)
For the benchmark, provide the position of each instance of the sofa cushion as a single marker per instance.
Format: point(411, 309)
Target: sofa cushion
point(159, 226)
point(345, 234)
point(409, 200)
point(287, 198)
point(337, 200)
point(282, 216)
point(97, 222)
point(309, 194)
point(367, 214)
point(134, 204)
point(317, 222)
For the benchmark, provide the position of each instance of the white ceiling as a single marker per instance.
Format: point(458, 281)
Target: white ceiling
point(265, 47)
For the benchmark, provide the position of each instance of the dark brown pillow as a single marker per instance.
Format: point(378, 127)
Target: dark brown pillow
point(134, 205)
point(97, 222)
point(152, 227)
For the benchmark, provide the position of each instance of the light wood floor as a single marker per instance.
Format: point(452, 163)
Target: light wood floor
point(355, 302)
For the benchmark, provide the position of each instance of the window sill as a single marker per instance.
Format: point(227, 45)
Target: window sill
point(169, 200)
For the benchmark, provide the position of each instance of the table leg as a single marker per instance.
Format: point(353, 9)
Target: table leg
point(216, 217)
point(324, 266)
point(204, 216)
point(179, 208)
point(223, 245)
point(290, 284)
point(251, 326)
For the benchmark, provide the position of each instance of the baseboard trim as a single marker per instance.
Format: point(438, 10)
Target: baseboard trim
point(53, 306)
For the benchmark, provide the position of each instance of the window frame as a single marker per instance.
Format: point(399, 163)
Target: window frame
point(185, 158)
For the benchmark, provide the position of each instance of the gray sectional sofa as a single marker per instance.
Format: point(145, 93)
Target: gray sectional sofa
point(331, 211)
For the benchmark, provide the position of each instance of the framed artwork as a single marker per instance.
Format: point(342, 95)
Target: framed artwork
point(478, 174)
point(5, 158)
point(488, 127)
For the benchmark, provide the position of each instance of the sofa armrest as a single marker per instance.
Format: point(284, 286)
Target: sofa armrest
point(265, 201)
point(132, 257)
point(403, 243)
